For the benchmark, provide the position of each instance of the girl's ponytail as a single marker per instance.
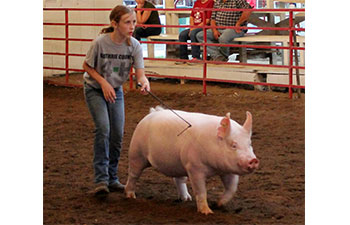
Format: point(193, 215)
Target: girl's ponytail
point(107, 30)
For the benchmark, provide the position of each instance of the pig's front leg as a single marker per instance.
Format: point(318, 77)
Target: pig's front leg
point(181, 187)
point(230, 182)
point(197, 179)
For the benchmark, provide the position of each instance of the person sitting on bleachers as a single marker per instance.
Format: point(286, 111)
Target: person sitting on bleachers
point(225, 18)
point(146, 17)
point(196, 19)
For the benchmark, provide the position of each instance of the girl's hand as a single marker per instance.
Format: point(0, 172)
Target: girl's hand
point(142, 81)
point(108, 92)
point(145, 88)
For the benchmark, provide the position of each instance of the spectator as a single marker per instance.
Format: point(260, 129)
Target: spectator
point(146, 17)
point(225, 18)
point(196, 19)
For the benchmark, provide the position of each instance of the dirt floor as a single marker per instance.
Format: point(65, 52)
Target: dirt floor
point(274, 194)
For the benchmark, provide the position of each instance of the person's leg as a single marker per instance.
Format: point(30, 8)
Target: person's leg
point(99, 112)
point(149, 31)
point(183, 37)
point(145, 32)
point(212, 50)
point(195, 49)
point(226, 37)
point(139, 32)
point(117, 118)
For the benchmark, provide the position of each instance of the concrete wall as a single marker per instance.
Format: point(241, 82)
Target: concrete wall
point(89, 32)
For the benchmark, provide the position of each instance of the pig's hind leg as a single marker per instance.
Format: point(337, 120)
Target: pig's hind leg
point(181, 187)
point(136, 165)
point(230, 182)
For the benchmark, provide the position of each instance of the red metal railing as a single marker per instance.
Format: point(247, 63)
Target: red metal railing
point(66, 24)
point(205, 62)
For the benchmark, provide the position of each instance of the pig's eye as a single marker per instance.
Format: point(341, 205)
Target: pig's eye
point(234, 145)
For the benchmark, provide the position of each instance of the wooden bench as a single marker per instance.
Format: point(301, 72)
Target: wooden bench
point(161, 37)
point(284, 39)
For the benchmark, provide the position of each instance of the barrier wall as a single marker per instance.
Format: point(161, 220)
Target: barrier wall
point(241, 72)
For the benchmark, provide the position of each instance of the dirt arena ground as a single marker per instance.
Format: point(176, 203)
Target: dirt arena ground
point(274, 194)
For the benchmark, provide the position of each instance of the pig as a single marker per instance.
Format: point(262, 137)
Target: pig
point(213, 145)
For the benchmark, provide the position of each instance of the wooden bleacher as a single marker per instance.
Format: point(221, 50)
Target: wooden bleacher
point(161, 37)
point(284, 39)
point(231, 72)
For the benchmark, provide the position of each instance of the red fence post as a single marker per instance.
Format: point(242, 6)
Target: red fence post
point(204, 54)
point(290, 53)
point(131, 81)
point(67, 45)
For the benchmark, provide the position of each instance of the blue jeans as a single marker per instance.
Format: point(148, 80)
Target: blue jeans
point(226, 37)
point(109, 128)
point(195, 49)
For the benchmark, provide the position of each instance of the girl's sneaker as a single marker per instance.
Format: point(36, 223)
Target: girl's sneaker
point(117, 186)
point(101, 190)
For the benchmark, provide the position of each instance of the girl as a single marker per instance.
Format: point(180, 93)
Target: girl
point(146, 17)
point(107, 66)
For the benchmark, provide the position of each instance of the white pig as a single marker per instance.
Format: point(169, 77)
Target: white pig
point(213, 145)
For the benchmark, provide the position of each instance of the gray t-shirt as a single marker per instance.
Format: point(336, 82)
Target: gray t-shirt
point(113, 61)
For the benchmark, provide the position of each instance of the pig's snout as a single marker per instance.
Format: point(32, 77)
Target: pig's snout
point(249, 165)
point(253, 164)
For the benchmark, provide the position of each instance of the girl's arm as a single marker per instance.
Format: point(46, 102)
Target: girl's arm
point(108, 90)
point(142, 79)
point(141, 18)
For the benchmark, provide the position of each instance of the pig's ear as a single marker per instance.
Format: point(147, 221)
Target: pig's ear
point(248, 123)
point(224, 128)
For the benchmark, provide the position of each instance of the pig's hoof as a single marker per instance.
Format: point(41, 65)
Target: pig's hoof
point(218, 206)
point(222, 202)
point(206, 211)
point(183, 199)
point(130, 194)
point(186, 198)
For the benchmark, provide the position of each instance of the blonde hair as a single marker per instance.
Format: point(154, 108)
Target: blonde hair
point(115, 15)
